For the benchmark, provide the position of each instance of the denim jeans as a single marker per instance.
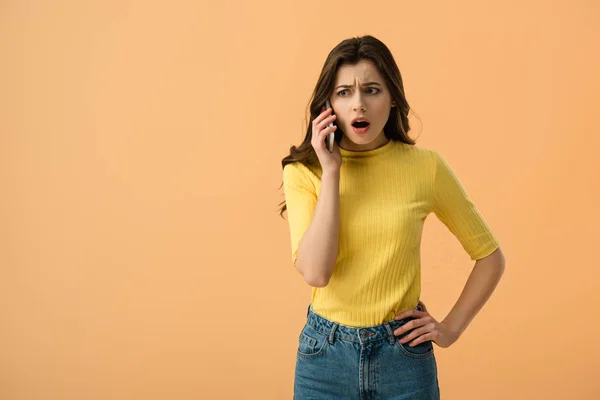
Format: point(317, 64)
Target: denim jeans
point(335, 361)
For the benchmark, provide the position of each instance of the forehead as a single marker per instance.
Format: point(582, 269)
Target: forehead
point(364, 70)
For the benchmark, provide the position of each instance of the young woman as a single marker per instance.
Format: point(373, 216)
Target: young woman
point(356, 217)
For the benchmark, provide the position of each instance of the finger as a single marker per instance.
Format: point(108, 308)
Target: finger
point(326, 132)
point(413, 324)
point(422, 338)
point(322, 130)
point(410, 313)
point(415, 334)
point(322, 116)
point(320, 138)
point(326, 122)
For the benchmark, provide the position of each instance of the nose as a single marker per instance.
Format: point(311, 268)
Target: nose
point(358, 103)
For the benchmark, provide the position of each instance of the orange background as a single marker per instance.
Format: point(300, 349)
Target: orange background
point(141, 253)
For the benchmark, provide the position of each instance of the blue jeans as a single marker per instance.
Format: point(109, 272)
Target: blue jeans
point(340, 362)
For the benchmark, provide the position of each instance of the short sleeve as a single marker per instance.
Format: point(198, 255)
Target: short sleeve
point(455, 209)
point(301, 201)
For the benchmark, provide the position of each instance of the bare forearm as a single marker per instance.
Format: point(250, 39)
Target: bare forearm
point(318, 248)
point(479, 287)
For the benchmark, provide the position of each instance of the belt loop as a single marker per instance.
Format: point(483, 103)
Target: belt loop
point(308, 310)
point(391, 337)
point(332, 333)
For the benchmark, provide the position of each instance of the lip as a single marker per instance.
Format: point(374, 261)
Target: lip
point(361, 131)
point(363, 118)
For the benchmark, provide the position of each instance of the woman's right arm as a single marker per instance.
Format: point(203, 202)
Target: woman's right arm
point(318, 248)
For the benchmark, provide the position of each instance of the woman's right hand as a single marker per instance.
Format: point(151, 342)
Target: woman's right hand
point(330, 162)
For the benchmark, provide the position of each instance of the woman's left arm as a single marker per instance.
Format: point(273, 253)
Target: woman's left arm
point(479, 287)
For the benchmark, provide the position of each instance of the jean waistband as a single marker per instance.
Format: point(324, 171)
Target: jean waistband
point(352, 334)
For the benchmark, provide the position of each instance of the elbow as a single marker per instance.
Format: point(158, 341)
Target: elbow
point(313, 276)
point(316, 281)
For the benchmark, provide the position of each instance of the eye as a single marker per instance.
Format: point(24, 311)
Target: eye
point(372, 88)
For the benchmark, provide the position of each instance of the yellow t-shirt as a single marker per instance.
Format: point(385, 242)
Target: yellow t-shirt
point(385, 196)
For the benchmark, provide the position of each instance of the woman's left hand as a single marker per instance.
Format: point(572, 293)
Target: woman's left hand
point(424, 328)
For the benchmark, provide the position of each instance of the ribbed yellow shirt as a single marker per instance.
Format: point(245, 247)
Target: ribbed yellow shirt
point(385, 196)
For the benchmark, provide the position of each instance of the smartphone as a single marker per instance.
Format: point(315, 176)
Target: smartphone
point(331, 136)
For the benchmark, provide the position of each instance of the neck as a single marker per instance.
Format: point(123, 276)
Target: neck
point(347, 144)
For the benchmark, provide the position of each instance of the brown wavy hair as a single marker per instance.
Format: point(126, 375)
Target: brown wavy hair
point(351, 51)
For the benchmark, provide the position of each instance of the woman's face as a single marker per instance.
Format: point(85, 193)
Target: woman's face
point(361, 91)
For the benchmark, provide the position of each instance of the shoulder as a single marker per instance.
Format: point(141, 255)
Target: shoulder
point(298, 168)
point(424, 157)
point(300, 174)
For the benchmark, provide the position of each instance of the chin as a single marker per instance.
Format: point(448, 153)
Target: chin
point(363, 139)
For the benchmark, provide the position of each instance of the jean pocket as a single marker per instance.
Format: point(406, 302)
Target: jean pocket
point(422, 350)
point(311, 343)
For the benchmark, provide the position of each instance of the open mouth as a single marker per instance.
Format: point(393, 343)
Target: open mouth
point(360, 124)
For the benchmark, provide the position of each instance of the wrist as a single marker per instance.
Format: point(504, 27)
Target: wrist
point(331, 174)
point(454, 326)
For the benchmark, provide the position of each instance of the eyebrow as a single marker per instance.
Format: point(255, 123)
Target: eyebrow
point(365, 84)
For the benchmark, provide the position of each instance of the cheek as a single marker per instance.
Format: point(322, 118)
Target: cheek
point(341, 121)
point(383, 115)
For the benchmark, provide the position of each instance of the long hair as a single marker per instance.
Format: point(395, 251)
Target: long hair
point(351, 51)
